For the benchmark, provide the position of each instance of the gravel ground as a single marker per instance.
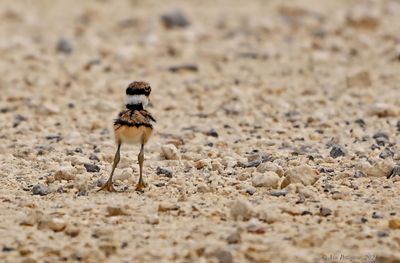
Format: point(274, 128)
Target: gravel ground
point(277, 136)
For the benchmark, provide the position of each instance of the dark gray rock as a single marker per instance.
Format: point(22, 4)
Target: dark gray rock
point(91, 168)
point(212, 133)
point(64, 46)
point(164, 171)
point(386, 153)
point(395, 171)
point(376, 215)
point(337, 151)
point(381, 138)
point(94, 157)
point(324, 211)
point(223, 256)
point(40, 189)
point(175, 19)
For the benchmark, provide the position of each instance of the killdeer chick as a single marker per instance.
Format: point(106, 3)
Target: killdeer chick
point(134, 125)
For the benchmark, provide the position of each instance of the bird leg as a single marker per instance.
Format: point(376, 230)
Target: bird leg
point(108, 186)
point(140, 185)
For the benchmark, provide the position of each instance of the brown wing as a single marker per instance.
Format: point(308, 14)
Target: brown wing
point(134, 118)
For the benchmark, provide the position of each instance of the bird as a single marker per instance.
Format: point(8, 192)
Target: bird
point(134, 125)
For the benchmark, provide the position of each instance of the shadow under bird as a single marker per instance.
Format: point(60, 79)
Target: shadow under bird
point(134, 125)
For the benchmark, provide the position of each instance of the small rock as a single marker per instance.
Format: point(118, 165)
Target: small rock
point(175, 19)
point(379, 169)
point(381, 138)
point(170, 152)
point(383, 110)
point(382, 234)
point(167, 172)
point(278, 193)
point(394, 223)
point(359, 174)
point(234, 238)
point(395, 172)
point(167, 206)
point(337, 151)
point(269, 214)
point(117, 211)
point(303, 174)
point(183, 68)
point(251, 190)
point(268, 179)
point(386, 153)
point(91, 168)
point(152, 219)
point(212, 133)
point(223, 256)
point(324, 211)
point(376, 215)
point(55, 224)
point(72, 231)
point(241, 210)
point(65, 173)
point(200, 164)
point(94, 157)
point(255, 226)
point(270, 167)
point(40, 189)
point(64, 46)
point(29, 220)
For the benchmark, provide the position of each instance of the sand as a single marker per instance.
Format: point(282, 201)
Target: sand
point(277, 136)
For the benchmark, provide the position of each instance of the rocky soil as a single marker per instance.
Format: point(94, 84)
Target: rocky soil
point(277, 137)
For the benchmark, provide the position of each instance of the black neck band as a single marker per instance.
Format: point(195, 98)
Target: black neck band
point(134, 106)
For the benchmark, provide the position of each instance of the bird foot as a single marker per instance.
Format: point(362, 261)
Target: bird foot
point(108, 186)
point(140, 186)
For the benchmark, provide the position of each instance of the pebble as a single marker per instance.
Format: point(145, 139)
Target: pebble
point(241, 210)
point(234, 238)
point(324, 211)
point(394, 223)
point(278, 193)
point(376, 215)
point(167, 206)
point(29, 220)
point(167, 172)
point(303, 174)
point(72, 230)
point(268, 214)
point(386, 153)
point(270, 167)
point(175, 19)
point(94, 157)
point(40, 189)
point(55, 224)
point(65, 173)
point(152, 219)
point(337, 151)
point(383, 110)
point(222, 255)
point(117, 211)
point(379, 169)
point(64, 46)
point(267, 179)
point(381, 138)
point(170, 152)
point(91, 168)
point(395, 171)
point(255, 226)
point(213, 133)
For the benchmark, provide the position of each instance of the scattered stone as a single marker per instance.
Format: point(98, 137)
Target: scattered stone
point(241, 210)
point(91, 168)
point(200, 164)
point(94, 157)
point(234, 238)
point(72, 230)
point(255, 226)
point(40, 189)
point(383, 110)
point(324, 211)
point(394, 223)
point(170, 152)
point(381, 138)
point(395, 172)
point(117, 211)
point(152, 219)
point(337, 151)
point(175, 19)
point(303, 174)
point(55, 224)
point(270, 167)
point(213, 133)
point(167, 206)
point(379, 169)
point(167, 172)
point(222, 255)
point(29, 220)
point(183, 67)
point(386, 153)
point(269, 214)
point(376, 215)
point(250, 190)
point(382, 234)
point(64, 46)
point(278, 193)
point(65, 173)
point(268, 179)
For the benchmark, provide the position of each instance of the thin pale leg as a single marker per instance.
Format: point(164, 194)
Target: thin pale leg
point(140, 185)
point(108, 186)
